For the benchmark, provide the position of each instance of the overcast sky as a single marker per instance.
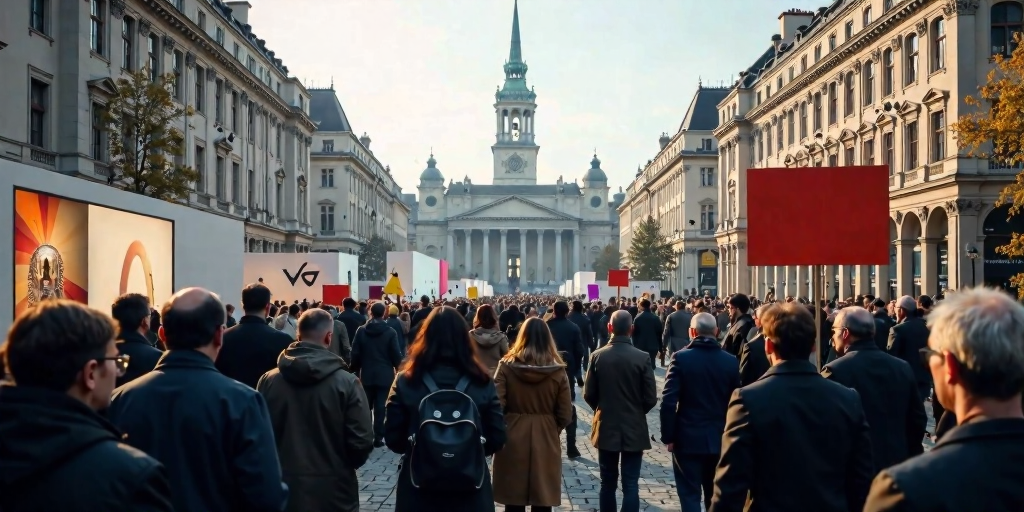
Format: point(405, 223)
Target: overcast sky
point(609, 74)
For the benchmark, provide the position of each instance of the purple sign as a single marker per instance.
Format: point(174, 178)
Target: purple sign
point(593, 291)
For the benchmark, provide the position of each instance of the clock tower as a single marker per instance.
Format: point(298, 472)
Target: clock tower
point(515, 150)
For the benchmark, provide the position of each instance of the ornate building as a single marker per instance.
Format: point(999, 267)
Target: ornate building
point(678, 187)
point(249, 138)
point(514, 232)
point(876, 82)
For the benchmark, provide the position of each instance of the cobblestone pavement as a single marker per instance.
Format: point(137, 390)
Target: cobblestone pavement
point(580, 477)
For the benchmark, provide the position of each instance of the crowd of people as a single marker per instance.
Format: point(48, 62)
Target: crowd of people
point(188, 409)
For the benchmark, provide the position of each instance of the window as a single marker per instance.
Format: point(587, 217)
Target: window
point(867, 16)
point(201, 20)
point(939, 45)
point(831, 42)
point(96, 34)
point(127, 43)
point(234, 111)
point(154, 57)
point(326, 217)
point(98, 148)
point(817, 111)
point(889, 151)
point(887, 4)
point(252, 65)
point(176, 88)
point(833, 160)
point(37, 16)
point(236, 178)
point(39, 102)
point(279, 199)
point(707, 217)
point(913, 52)
point(219, 36)
point(889, 73)
point(778, 136)
point(791, 127)
point(912, 145)
point(252, 121)
point(706, 144)
point(868, 94)
point(803, 63)
point(250, 188)
point(938, 136)
point(833, 103)
point(327, 178)
point(803, 120)
point(758, 100)
point(1007, 20)
point(792, 73)
point(760, 146)
point(767, 92)
point(200, 164)
point(848, 156)
point(779, 82)
point(768, 135)
point(219, 178)
point(218, 101)
point(237, 52)
point(278, 143)
point(707, 176)
point(200, 99)
point(851, 88)
point(817, 53)
point(867, 156)
point(849, 30)
point(329, 146)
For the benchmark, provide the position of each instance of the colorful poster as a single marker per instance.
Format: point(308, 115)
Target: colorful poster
point(593, 291)
point(129, 253)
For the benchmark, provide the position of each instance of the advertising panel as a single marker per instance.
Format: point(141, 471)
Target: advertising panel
point(129, 253)
point(293, 276)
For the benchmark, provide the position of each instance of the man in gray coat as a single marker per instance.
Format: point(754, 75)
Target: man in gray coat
point(677, 328)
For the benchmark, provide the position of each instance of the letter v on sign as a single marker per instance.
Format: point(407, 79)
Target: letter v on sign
point(307, 277)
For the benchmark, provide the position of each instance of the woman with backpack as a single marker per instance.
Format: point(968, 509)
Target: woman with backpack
point(491, 344)
point(533, 387)
point(443, 416)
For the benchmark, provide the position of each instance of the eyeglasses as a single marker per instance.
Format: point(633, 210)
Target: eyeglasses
point(120, 363)
point(926, 355)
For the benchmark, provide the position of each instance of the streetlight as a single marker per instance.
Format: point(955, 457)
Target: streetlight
point(972, 253)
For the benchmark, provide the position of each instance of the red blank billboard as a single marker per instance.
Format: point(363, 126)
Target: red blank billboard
point(818, 216)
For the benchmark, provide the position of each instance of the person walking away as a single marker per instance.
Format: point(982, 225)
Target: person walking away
point(441, 360)
point(375, 357)
point(753, 361)
point(340, 342)
point(907, 338)
point(212, 432)
point(882, 323)
point(698, 384)
point(252, 347)
point(621, 389)
point(351, 317)
point(647, 332)
point(740, 324)
point(421, 314)
point(975, 355)
point(491, 344)
point(132, 313)
point(814, 421)
point(581, 320)
point(291, 321)
point(533, 388)
point(396, 324)
point(230, 309)
point(56, 451)
point(886, 386)
point(569, 342)
point(677, 328)
point(321, 420)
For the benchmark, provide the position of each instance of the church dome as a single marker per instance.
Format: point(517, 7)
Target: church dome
point(619, 198)
point(431, 173)
point(595, 173)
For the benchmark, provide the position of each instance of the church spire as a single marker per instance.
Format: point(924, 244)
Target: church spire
point(515, 88)
point(515, 53)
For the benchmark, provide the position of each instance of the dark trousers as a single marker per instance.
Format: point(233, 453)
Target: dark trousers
point(694, 473)
point(609, 464)
point(521, 508)
point(654, 359)
point(570, 431)
point(377, 396)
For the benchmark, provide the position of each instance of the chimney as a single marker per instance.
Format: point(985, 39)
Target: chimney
point(664, 140)
point(240, 11)
point(792, 19)
point(365, 140)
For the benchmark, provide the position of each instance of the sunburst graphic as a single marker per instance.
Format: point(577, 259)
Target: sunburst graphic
point(51, 242)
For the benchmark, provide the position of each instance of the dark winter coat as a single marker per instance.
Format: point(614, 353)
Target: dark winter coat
point(376, 354)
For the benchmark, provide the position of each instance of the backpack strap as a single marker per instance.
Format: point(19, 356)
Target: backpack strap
point(463, 384)
point(429, 381)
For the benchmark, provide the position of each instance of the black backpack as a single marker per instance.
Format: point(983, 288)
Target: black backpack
point(447, 452)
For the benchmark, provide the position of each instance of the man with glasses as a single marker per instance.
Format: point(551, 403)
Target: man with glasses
point(56, 452)
point(907, 337)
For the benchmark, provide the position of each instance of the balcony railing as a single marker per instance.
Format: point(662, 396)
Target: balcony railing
point(43, 157)
point(327, 232)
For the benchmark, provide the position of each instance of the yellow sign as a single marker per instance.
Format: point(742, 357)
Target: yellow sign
point(707, 259)
point(393, 286)
point(471, 292)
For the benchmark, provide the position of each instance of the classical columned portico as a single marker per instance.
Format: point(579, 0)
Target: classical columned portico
point(575, 250)
point(541, 275)
point(495, 263)
point(467, 262)
point(558, 257)
point(503, 257)
point(486, 255)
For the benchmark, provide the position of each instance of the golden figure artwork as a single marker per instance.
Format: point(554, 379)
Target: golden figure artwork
point(45, 275)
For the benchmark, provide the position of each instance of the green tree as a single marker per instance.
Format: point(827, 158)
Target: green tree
point(373, 259)
point(995, 130)
point(143, 141)
point(650, 254)
point(609, 258)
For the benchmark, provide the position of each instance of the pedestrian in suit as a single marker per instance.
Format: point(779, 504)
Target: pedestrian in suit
point(975, 354)
point(677, 328)
point(698, 385)
point(740, 326)
point(793, 441)
point(376, 357)
point(907, 338)
point(886, 386)
point(647, 332)
point(569, 342)
point(882, 323)
point(620, 387)
point(753, 360)
point(251, 347)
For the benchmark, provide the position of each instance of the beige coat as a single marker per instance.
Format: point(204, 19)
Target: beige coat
point(491, 346)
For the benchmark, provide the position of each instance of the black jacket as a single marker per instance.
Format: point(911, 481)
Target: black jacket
point(736, 336)
point(698, 385)
point(142, 356)
point(352, 320)
point(395, 324)
point(753, 361)
point(794, 442)
point(569, 342)
point(57, 454)
point(211, 432)
point(647, 332)
point(975, 467)
point(882, 326)
point(905, 340)
point(250, 349)
point(376, 354)
point(891, 402)
point(583, 322)
point(418, 317)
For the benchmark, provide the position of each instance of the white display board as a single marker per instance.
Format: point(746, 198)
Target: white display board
point(456, 289)
point(364, 288)
point(580, 280)
point(301, 276)
point(638, 288)
point(419, 274)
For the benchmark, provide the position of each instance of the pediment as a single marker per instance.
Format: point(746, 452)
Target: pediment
point(866, 127)
point(847, 135)
point(934, 97)
point(513, 207)
point(908, 108)
point(830, 142)
point(884, 119)
point(104, 87)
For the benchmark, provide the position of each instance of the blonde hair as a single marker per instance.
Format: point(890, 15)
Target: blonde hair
point(534, 345)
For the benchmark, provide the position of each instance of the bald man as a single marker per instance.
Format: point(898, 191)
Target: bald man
point(211, 432)
point(886, 385)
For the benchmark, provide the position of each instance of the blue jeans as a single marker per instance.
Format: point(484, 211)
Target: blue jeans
point(694, 473)
point(609, 463)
